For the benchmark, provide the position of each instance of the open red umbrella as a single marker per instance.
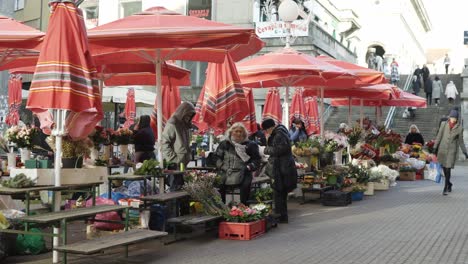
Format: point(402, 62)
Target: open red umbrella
point(19, 44)
point(130, 108)
point(250, 120)
point(312, 113)
point(171, 100)
point(404, 99)
point(298, 109)
point(158, 34)
point(14, 99)
point(223, 100)
point(272, 108)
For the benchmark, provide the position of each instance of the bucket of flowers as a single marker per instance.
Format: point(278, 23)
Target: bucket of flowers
point(23, 137)
point(357, 192)
point(243, 222)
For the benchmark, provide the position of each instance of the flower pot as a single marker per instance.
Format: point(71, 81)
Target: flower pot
point(94, 154)
point(69, 163)
point(357, 196)
point(11, 160)
point(25, 154)
point(123, 149)
point(241, 231)
point(370, 189)
point(382, 186)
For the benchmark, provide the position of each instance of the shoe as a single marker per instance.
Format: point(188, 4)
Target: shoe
point(445, 191)
point(450, 187)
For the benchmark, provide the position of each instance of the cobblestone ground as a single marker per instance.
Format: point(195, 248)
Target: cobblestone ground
point(410, 223)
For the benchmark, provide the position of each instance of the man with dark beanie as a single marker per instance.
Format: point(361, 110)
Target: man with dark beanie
point(449, 139)
point(282, 168)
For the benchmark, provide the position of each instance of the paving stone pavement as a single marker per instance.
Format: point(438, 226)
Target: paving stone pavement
point(410, 223)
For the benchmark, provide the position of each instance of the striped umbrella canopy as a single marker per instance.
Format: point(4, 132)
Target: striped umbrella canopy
point(19, 44)
point(272, 108)
point(223, 101)
point(250, 121)
point(65, 75)
point(312, 113)
point(297, 110)
point(404, 99)
point(14, 99)
point(130, 108)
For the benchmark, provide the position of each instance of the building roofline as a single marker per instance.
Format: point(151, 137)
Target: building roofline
point(422, 14)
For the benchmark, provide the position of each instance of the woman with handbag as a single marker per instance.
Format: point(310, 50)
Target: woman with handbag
point(449, 139)
point(236, 158)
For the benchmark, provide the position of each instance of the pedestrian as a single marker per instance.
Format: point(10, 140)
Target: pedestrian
point(425, 73)
point(428, 90)
point(448, 140)
point(281, 165)
point(379, 63)
point(436, 90)
point(144, 140)
point(414, 136)
point(297, 133)
point(416, 81)
point(236, 158)
point(451, 92)
point(175, 141)
point(258, 136)
point(446, 63)
point(394, 72)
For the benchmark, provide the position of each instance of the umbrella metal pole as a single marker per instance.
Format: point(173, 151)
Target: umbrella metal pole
point(58, 132)
point(286, 108)
point(321, 112)
point(159, 113)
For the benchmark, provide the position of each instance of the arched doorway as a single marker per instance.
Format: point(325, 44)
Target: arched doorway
point(379, 50)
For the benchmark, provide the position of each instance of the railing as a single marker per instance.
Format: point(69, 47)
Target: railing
point(391, 113)
point(327, 113)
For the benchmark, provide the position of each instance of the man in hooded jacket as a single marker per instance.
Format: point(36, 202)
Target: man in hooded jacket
point(175, 140)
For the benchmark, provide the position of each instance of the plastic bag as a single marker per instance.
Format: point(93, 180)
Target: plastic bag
point(30, 244)
point(415, 163)
point(4, 224)
point(434, 172)
point(114, 216)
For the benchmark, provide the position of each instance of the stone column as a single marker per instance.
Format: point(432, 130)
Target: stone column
point(464, 104)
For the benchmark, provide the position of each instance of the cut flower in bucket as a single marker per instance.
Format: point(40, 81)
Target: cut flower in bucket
point(244, 214)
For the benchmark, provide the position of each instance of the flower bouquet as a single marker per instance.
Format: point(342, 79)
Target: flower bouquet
point(430, 146)
point(99, 136)
point(334, 142)
point(123, 136)
point(244, 223)
point(354, 135)
point(244, 214)
point(22, 136)
point(201, 188)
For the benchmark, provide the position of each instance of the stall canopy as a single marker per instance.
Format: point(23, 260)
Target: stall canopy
point(404, 99)
point(272, 108)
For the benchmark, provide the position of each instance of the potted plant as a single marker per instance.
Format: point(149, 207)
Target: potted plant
point(357, 193)
point(73, 151)
point(243, 222)
point(123, 137)
point(23, 137)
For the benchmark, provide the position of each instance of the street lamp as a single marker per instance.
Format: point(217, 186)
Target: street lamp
point(288, 11)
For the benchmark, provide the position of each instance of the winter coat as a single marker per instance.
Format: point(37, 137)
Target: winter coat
point(144, 139)
point(232, 168)
point(436, 89)
point(414, 138)
point(451, 90)
point(176, 137)
point(447, 142)
point(428, 86)
point(416, 85)
point(297, 135)
point(281, 164)
point(425, 73)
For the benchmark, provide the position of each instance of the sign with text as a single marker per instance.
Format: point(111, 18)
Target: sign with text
point(277, 29)
point(200, 8)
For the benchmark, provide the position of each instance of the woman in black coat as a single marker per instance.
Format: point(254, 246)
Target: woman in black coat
point(144, 140)
point(282, 167)
point(414, 136)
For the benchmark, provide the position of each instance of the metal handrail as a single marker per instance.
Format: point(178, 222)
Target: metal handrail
point(327, 113)
point(391, 113)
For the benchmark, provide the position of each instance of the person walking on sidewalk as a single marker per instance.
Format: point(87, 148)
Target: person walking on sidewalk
point(436, 90)
point(446, 63)
point(281, 165)
point(448, 140)
point(428, 90)
point(451, 92)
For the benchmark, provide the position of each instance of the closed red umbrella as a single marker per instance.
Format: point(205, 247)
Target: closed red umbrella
point(130, 108)
point(14, 100)
point(171, 100)
point(250, 121)
point(272, 108)
point(298, 109)
point(223, 100)
point(312, 113)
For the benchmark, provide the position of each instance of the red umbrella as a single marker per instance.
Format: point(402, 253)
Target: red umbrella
point(298, 109)
point(171, 100)
point(223, 100)
point(65, 76)
point(250, 121)
point(380, 91)
point(272, 108)
point(404, 99)
point(313, 115)
point(14, 99)
point(130, 108)
point(19, 44)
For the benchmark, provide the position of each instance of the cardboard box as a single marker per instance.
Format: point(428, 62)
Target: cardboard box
point(407, 176)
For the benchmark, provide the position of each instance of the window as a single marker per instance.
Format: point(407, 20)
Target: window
point(269, 9)
point(19, 4)
point(128, 8)
point(91, 16)
point(198, 70)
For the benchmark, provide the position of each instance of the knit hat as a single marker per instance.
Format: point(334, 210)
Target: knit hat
point(268, 123)
point(453, 113)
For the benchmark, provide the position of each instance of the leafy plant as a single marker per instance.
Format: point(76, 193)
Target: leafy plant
point(149, 167)
point(101, 163)
point(263, 194)
point(72, 148)
point(202, 189)
point(359, 188)
point(22, 136)
point(245, 214)
point(19, 181)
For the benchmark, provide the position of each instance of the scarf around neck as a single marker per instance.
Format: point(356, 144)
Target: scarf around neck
point(241, 150)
